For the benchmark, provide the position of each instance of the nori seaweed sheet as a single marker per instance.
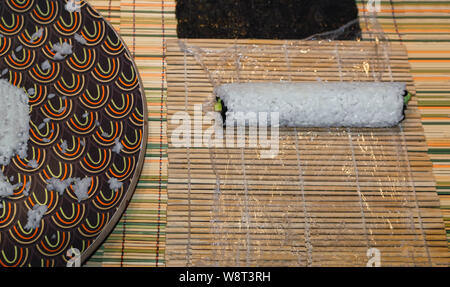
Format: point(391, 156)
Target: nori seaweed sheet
point(265, 19)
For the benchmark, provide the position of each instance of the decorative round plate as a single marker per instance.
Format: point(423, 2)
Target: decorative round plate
point(88, 101)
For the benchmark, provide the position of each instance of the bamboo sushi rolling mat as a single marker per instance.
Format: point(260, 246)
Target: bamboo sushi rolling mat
point(422, 26)
point(326, 197)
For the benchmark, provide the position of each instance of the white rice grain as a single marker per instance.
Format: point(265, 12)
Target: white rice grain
point(55, 184)
point(115, 184)
point(45, 66)
point(6, 188)
point(62, 50)
point(38, 34)
point(81, 188)
point(117, 147)
point(26, 192)
point(64, 146)
point(80, 39)
point(35, 216)
point(33, 163)
point(72, 6)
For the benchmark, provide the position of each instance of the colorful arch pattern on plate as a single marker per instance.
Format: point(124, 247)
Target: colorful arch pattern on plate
point(88, 100)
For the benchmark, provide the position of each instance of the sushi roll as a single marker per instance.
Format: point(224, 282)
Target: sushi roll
point(318, 104)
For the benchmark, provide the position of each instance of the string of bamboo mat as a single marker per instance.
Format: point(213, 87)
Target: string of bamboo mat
point(328, 197)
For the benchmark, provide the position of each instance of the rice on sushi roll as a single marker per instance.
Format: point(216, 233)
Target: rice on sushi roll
point(318, 104)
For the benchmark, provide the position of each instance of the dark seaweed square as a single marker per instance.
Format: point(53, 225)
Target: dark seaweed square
point(265, 19)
